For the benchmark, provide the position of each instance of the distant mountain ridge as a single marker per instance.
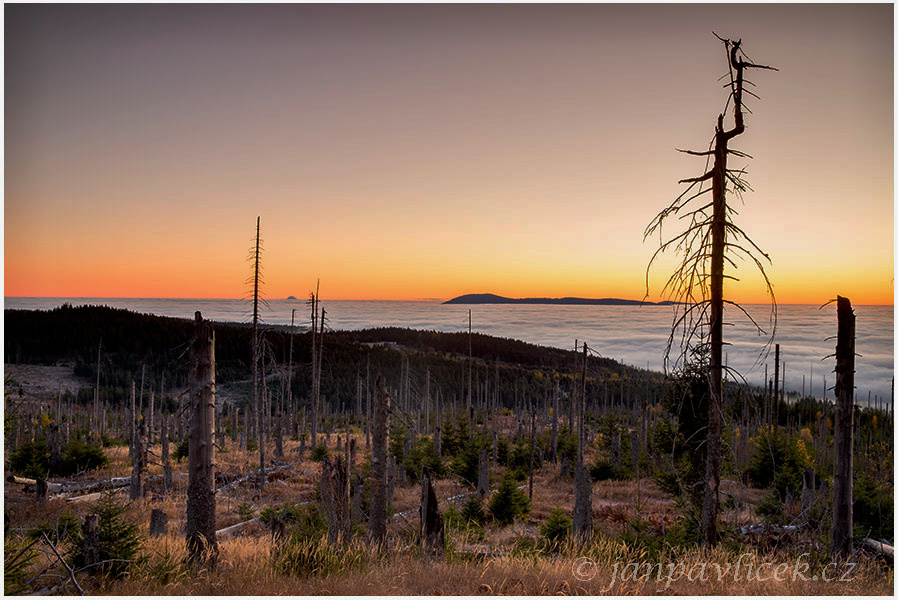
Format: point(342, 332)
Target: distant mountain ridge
point(494, 299)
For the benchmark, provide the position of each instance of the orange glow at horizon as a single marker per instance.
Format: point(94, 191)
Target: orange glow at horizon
point(427, 151)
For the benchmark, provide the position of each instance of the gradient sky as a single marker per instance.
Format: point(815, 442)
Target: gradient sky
point(426, 151)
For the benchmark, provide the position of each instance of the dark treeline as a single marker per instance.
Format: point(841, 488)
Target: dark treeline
point(506, 371)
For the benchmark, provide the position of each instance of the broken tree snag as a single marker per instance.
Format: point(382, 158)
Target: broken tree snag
point(53, 439)
point(91, 541)
point(40, 490)
point(166, 463)
point(582, 521)
point(139, 467)
point(843, 522)
point(483, 476)
point(356, 510)
point(808, 486)
point(200, 527)
point(431, 531)
point(709, 241)
point(377, 522)
point(158, 522)
point(615, 449)
point(335, 499)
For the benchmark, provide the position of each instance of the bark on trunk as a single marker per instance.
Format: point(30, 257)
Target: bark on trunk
point(377, 523)
point(431, 532)
point(483, 476)
point(335, 500)
point(843, 521)
point(200, 527)
point(158, 522)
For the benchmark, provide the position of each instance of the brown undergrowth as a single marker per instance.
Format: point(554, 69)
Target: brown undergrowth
point(631, 552)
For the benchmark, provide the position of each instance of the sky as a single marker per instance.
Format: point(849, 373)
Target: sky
point(427, 151)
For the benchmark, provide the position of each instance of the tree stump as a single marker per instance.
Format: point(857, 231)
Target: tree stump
point(158, 522)
point(808, 495)
point(91, 539)
point(278, 529)
point(334, 499)
point(431, 529)
point(40, 490)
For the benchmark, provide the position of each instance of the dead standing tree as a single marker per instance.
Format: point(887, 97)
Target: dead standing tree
point(200, 528)
point(582, 521)
point(431, 527)
point(256, 280)
point(843, 523)
point(377, 522)
point(335, 498)
point(710, 240)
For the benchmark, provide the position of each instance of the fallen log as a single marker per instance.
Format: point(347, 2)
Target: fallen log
point(87, 497)
point(878, 547)
point(256, 473)
point(229, 532)
point(30, 484)
point(71, 487)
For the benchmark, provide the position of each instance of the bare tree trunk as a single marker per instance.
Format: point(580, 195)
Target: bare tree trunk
point(377, 522)
point(470, 376)
point(138, 471)
point(254, 423)
point(294, 421)
point(133, 417)
point(775, 400)
point(150, 424)
point(96, 406)
point(91, 540)
point(335, 498)
point(368, 404)
point(532, 451)
point(54, 446)
point(158, 522)
point(279, 439)
point(582, 521)
point(166, 463)
point(314, 394)
point(200, 527)
point(555, 423)
point(483, 476)
point(260, 423)
point(843, 521)
point(431, 531)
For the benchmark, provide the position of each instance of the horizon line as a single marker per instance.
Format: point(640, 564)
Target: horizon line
point(368, 300)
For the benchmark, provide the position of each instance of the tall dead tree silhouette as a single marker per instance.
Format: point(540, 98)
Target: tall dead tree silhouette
point(710, 241)
point(256, 280)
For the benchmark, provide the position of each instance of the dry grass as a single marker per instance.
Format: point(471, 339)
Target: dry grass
point(246, 564)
